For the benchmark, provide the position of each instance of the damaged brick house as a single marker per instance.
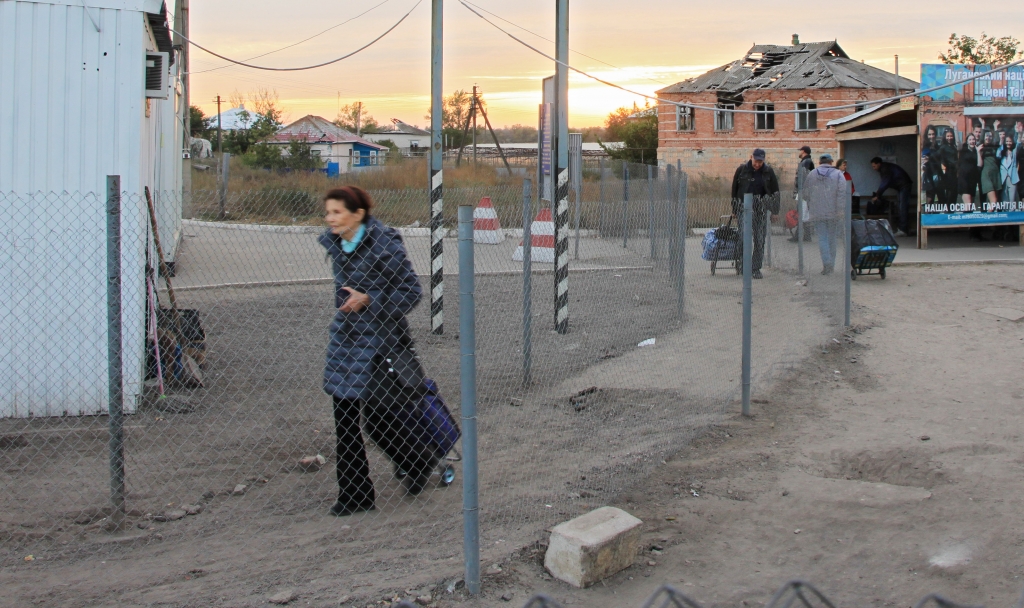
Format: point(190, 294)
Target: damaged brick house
point(807, 77)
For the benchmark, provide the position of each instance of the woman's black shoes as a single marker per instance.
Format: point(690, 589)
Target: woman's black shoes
point(341, 509)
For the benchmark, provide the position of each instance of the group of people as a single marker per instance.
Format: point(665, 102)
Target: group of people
point(821, 192)
point(986, 168)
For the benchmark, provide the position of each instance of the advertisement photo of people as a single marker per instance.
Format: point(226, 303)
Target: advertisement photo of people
point(972, 152)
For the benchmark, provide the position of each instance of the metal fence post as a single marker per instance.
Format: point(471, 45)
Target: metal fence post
point(650, 211)
point(848, 261)
point(801, 173)
point(115, 386)
point(576, 252)
point(600, 213)
point(225, 166)
point(671, 213)
point(681, 281)
point(527, 283)
point(748, 251)
point(768, 238)
point(467, 374)
point(625, 204)
point(436, 179)
point(576, 166)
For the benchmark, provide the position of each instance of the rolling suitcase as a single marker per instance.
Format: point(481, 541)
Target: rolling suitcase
point(722, 244)
point(872, 247)
point(411, 423)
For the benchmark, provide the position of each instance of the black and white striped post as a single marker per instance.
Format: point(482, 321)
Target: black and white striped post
point(437, 231)
point(436, 189)
point(561, 167)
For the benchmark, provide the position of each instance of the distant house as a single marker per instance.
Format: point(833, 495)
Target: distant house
point(332, 144)
point(805, 77)
point(233, 119)
point(88, 88)
point(408, 138)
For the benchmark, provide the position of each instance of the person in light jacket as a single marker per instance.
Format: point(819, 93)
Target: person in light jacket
point(375, 288)
point(824, 189)
point(1008, 174)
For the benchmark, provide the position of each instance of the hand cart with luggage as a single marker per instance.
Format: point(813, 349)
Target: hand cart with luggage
point(872, 247)
point(722, 244)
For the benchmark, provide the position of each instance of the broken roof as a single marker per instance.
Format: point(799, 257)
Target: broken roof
point(815, 65)
point(319, 130)
point(405, 128)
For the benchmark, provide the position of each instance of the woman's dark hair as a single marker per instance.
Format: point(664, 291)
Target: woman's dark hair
point(353, 197)
point(839, 163)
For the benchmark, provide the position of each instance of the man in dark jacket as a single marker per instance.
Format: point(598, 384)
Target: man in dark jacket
point(893, 176)
point(758, 178)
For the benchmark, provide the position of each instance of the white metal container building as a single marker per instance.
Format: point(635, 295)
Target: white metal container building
point(88, 88)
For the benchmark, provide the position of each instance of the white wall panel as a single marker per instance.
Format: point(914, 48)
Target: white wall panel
point(71, 113)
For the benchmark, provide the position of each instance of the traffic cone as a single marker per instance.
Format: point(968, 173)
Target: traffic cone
point(542, 239)
point(486, 228)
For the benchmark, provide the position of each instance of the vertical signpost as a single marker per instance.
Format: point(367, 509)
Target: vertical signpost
point(436, 188)
point(561, 169)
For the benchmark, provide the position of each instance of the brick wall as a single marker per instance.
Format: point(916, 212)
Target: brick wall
point(718, 153)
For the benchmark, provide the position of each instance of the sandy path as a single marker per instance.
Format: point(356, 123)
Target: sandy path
point(899, 476)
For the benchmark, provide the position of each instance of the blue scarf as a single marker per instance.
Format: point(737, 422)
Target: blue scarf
point(350, 246)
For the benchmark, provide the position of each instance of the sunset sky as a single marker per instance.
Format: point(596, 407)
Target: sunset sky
point(651, 43)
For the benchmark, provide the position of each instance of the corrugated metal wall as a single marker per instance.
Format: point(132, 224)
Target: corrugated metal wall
point(72, 111)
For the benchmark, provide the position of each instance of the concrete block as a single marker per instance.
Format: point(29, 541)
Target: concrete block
point(592, 547)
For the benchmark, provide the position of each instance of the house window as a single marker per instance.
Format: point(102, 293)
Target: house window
point(764, 120)
point(684, 119)
point(807, 116)
point(723, 120)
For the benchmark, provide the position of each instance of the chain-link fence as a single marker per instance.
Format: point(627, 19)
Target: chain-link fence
point(229, 437)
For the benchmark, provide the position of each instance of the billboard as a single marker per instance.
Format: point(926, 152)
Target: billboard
point(972, 146)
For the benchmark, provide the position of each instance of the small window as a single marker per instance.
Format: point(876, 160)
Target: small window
point(684, 119)
point(807, 116)
point(723, 120)
point(764, 120)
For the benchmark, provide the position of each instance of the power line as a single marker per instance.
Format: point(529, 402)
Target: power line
point(682, 104)
point(301, 41)
point(308, 67)
point(552, 41)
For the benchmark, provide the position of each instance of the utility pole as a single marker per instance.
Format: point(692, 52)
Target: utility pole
point(181, 25)
point(473, 106)
point(220, 149)
point(359, 117)
point(561, 168)
point(436, 175)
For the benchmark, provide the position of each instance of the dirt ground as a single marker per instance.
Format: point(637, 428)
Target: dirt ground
point(884, 469)
point(546, 455)
point(884, 515)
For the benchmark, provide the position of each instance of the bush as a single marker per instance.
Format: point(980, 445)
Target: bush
point(263, 156)
point(300, 157)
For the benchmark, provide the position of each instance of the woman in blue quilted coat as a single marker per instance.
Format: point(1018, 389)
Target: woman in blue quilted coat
point(375, 287)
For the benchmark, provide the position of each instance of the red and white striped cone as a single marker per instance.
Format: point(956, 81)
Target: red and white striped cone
point(542, 239)
point(486, 228)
